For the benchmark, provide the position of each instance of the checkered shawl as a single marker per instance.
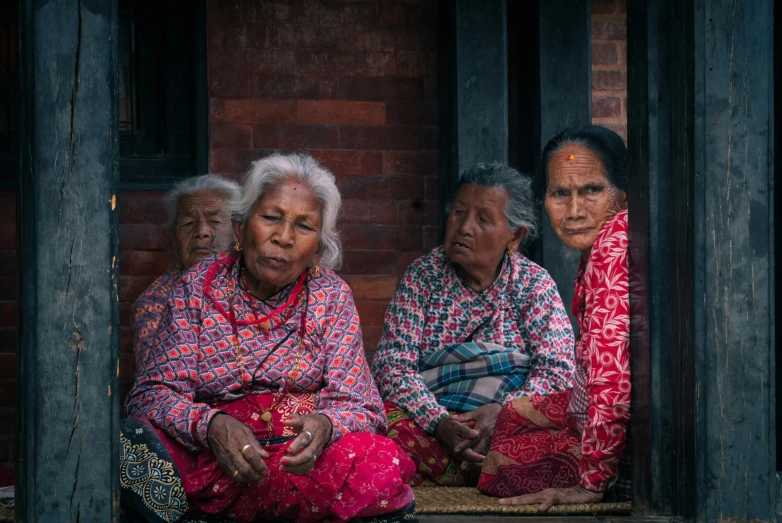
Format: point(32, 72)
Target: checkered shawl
point(466, 376)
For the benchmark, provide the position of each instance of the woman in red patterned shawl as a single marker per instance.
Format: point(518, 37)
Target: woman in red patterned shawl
point(566, 448)
point(256, 400)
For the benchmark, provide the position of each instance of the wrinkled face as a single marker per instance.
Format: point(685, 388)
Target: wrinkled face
point(202, 227)
point(477, 233)
point(281, 235)
point(579, 196)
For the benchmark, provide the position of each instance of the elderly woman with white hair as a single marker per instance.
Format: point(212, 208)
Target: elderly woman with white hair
point(199, 217)
point(258, 388)
point(473, 325)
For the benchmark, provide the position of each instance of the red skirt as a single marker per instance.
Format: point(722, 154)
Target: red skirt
point(535, 446)
point(433, 465)
point(361, 475)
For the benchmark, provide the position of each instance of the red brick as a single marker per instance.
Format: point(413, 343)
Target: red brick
point(378, 212)
point(385, 39)
point(618, 128)
point(234, 161)
point(604, 54)
point(422, 163)
point(606, 107)
point(152, 263)
point(8, 312)
point(127, 367)
point(610, 29)
point(350, 162)
point(381, 89)
point(292, 87)
point(432, 188)
point(383, 138)
point(231, 59)
point(131, 287)
point(372, 334)
point(411, 113)
point(142, 236)
point(432, 237)
point(226, 134)
point(7, 367)
point(371, 312)
point(142, 207)
point(372, 287)
point(382, 237)
point(312, 61)
point(228, 84)
point(417, 212)
point(236, 36)
point(307, 36)
point(7, 394)
point(274, 61)
point(314, 12)
point(369, 262)
point(341, 112)
point(431, 138)
point(126, 314)
point(8, 340)
point(255, 111)
point(415, 64)
point(295, 137)
point(609, 80)
point(389, 187)
point(8, 235)
point(367, 64)
point(394, 14)
point(603, 7)
point(430, 89)
point(405, 259)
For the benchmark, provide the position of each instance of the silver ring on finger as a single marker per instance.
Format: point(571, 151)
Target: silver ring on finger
point(309, 434)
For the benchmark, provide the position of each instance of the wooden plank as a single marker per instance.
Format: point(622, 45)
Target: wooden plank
point(68, 370)
point(733, 263)
point(565, 100)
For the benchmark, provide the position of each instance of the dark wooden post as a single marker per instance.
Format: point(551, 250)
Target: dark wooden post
point(701, 140)
point(68, 369)
point(475, 68)
point(565, 100)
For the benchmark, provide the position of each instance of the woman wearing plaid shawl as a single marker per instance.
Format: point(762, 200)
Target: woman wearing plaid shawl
point(566, 448)
point(473, 325)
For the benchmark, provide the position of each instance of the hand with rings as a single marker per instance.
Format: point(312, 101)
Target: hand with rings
point(237, 450)
point(314, 433)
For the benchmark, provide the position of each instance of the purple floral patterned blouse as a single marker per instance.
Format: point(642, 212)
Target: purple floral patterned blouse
point(192, 363)
point(434, 308)
point(150, 308)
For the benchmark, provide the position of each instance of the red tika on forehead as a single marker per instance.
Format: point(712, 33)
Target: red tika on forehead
point(571, 157)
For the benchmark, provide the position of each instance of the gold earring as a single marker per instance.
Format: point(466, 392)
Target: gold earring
point(238, 247)
point(315, 270)
point(510, 252)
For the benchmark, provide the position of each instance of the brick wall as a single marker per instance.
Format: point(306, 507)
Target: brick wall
point(609, 64)
point(354, 84)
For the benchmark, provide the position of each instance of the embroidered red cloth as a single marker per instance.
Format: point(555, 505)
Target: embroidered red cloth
point(361, 475)
point(585, 426)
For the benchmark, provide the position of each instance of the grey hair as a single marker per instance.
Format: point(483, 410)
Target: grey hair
point(273, 169)
point(227, 189)
point(520, 210)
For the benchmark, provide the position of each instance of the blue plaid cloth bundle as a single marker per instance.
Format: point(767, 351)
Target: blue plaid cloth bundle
point(466, 376)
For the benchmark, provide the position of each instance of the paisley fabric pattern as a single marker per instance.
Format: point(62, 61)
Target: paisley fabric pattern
point(150, 481)
point(591, 418)
point(360, 476)
point(433, 308)
point(192, 363)
point(150, 308)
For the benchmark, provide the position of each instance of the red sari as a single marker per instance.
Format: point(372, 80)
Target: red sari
point(575, 437)
point(361, 475)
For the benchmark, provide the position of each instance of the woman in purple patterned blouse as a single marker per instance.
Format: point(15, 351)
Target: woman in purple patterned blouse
point(200, 222)
point(257, 390)
point(475, 295)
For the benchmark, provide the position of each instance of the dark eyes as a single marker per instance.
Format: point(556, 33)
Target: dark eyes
point(273, 219)
point(593, 189)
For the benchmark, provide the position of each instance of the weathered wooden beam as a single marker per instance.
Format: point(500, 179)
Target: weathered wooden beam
point(475, 58)
point(565, 100)
point(734, 258)
point(68, 359)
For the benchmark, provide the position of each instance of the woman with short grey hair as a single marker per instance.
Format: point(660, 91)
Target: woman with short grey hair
point(260, 389)
point(199, 217)
point(473, 325)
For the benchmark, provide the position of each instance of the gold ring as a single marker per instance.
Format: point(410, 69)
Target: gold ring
point(245, 448)
point(236, 472)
